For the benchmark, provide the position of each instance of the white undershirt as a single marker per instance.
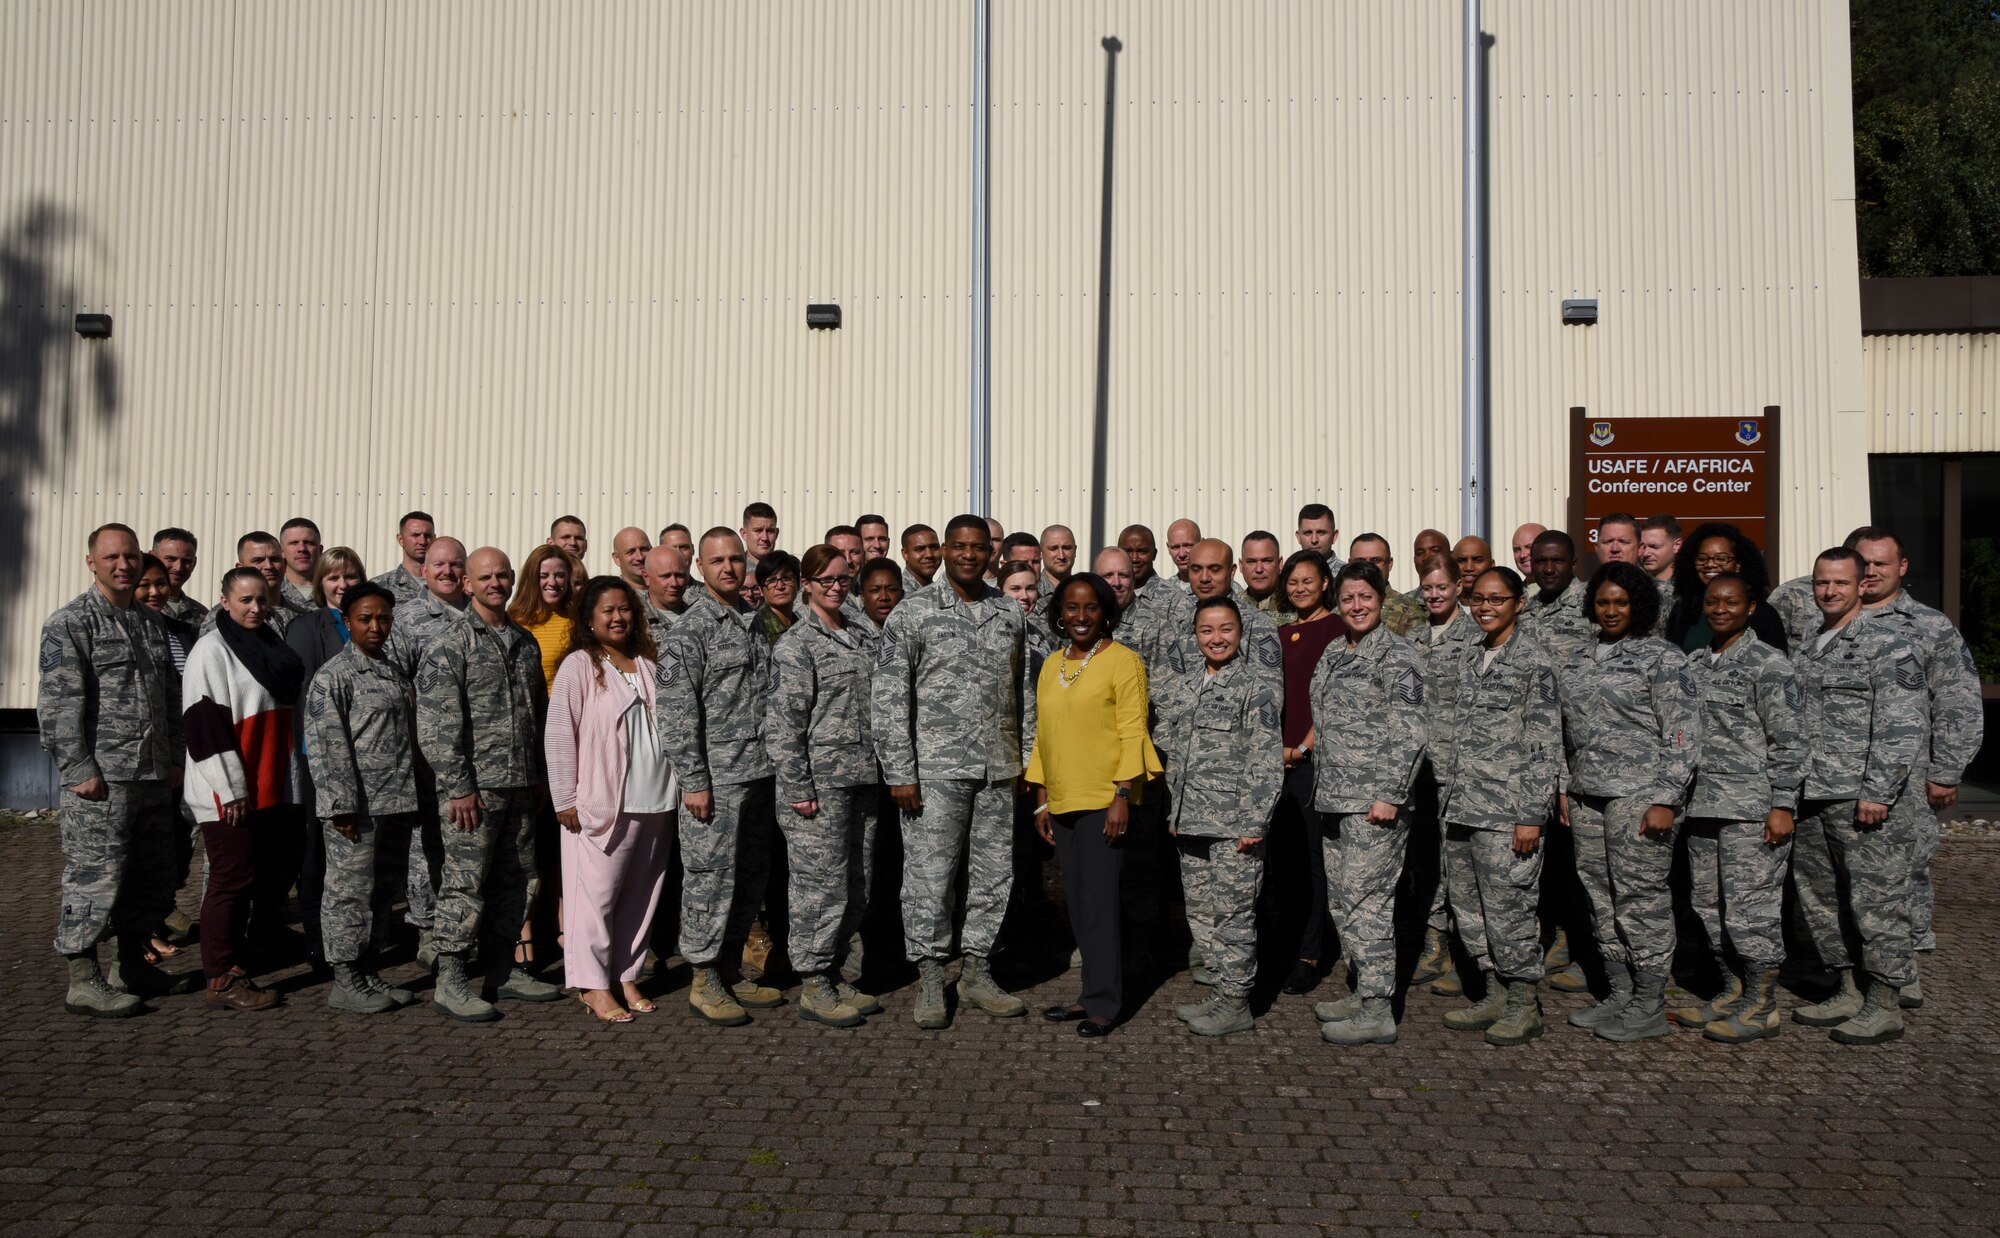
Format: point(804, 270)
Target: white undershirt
point(649, 779)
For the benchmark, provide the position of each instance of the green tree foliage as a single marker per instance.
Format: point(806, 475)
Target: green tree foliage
point(1927, 136)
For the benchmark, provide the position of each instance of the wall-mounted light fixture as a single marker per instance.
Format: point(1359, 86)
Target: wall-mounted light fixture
point(1580, 313)
point(823, 317)
point(94, 326)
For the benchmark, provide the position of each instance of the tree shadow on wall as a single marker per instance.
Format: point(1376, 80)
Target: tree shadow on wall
point(49, 381)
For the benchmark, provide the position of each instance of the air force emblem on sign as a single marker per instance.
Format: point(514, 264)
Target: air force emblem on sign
point(1748, 432)
point(1600, 434)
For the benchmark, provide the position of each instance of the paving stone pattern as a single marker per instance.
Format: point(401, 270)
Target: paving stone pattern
point(299, 1122)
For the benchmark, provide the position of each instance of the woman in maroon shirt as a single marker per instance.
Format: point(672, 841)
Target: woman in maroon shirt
point(1295, 837)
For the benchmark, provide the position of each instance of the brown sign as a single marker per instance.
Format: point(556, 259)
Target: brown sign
point(1691, 468)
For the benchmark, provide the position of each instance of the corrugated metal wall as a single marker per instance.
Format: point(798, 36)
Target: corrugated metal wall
point(516, 257)
point(1933, 393)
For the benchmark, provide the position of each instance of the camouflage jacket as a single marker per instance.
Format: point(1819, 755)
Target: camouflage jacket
point(1957, 706)
point(659, 622)
point(280, 617)
point(1224, 753)
point(1179, 657)
point(481, 699)
point(1665, 589)
point(1560, 625)
point(188, 611)
point(951, 697)
point(709, 698)
point(1442, 655)
point(1631, 724)
point(109, 700)
point(417, 622)
point(1368, 722)
point(361, 737)
point(1506, 759)
point(1865, 712)
point(405, 587)
point(1402, 614)
point(816, 710)
point(1752, 753)
point(299, 599)
point(1796, 606)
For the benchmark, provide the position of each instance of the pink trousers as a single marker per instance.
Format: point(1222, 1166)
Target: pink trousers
point(609, 895)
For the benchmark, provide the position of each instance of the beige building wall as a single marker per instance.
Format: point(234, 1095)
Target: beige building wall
point(1933, 393)
point(507, 259)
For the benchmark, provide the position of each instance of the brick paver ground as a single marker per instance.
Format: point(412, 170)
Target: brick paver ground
point(294, 1122)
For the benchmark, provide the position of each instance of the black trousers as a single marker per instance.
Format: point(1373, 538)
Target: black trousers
point(1295, 881)
point(1091, 868)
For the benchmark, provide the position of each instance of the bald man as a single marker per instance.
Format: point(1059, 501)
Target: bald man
point(1211, 574)
point(1473, 556)
point(480, 702)
point(1182, 534)
point(629, 550)
point(1524, 548)
point(667, 580)
point(1058, 558)
point(1116, 567)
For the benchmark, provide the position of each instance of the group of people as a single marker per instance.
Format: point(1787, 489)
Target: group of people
point(1507, 755)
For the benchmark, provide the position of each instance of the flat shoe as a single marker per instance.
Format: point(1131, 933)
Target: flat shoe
point(1063, 1014)
point(1093, 1031)
point(1304, 978)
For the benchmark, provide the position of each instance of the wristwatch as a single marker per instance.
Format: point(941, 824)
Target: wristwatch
point(1123, 793)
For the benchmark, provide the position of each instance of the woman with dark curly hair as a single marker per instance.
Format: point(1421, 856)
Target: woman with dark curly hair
point(1629, 728)
point(1712, 549)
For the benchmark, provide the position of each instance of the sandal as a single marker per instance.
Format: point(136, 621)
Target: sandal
point(524, 952)
point(620, 1015)
point(158, 947)
point(641, 1005)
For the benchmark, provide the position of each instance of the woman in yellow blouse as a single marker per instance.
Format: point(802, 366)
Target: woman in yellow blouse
point(1091, 759)
point(545, 603)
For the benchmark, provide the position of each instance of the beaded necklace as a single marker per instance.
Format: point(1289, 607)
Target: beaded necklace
point(1064, 678)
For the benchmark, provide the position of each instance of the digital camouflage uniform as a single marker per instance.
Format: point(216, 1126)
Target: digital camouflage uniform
point(1750, 760)
point(952, 711)
point(1630, 726)
point(712, 676)
point(1796, 606)
point(109, 707)
point(360, 731)
point(417, 622)
point(1956, 714)
point(405, 587)
point(1865, 722)
point(816, 731)
point(481, 699)
point(1403, 614)
point(1504, 770)
point(1559, 625)
point(1223, 748)
point(659, 621)
point(296, 597)
point(1441, 650)
point(1368, 729)
point(188, 611)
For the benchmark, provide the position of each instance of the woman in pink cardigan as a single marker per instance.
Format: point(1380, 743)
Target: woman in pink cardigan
point(615, 796)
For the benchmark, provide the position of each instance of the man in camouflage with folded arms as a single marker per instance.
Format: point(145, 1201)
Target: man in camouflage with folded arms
point(953, 719)
point(109, 709)
point(1954, 714)
point(481, 699)
point(712, 675)
point(1865, 725)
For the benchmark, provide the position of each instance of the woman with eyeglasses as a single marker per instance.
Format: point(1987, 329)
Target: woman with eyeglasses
point(1629, 728)
point(816, 729)
point(1497, 790)
point(778, 576)
point(1711, 550)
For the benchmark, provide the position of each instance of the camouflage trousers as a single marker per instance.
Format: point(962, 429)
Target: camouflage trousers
point(1737, 886)
point(426, 857)
point(725, 863)
point(1423, 868)
point(1854, 887)
point(1363, 864)
point(824, 851)
point(962, 819)
point(483, 884)
point(362, 882)
point(1222, 884)
point(1624, 875)
point(1923, 853)
point(118, 863)
point(1493, 898)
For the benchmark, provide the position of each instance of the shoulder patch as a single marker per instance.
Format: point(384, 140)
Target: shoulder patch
point(316, 704)
point(668, 671)
point(1268, 716)
point(1909, 672)
point(1545, 681)
point(428, 676)
point(1795, 696)
point(1269, 653)
point(1689, 688)
point(1410, 687)
point(52, 652)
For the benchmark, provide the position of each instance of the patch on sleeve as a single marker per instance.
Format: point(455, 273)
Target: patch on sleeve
point(1909, 672)
point(1546, 682)
point(1795, 695)
point(316, 704)
point(428, 676)
point(51, 652)
point(1269, 653)
point(1268, 716)
point(1410, 687)
point(669, 671)
point(1689, 688)
point(885, 649)
point(1965, 657)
